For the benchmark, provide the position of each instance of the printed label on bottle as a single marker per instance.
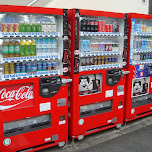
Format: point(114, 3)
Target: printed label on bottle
point(5, 49)
point(17, 49)
point(22, 51)
point(11, 49)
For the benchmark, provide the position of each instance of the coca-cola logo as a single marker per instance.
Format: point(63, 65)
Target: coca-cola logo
point(10, 98)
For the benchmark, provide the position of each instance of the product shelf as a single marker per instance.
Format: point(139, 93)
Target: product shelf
point(100, 34)
point(27, 34)
point(29, 58)
point(96, 67)
point(142, 34)
point(142, 62)
point(142, 50)
point(99, 53)
point(29, 75)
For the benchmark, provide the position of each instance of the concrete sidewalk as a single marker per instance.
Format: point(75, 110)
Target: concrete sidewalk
point(135, 136)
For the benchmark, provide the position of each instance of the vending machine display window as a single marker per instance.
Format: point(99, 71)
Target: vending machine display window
point(89, 84)
point(95, 108)
point(26, 125)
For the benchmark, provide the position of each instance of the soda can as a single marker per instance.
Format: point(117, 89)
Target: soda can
point(4, 27)
point(99, 47)
point(33, 67)
point(137, 27)
point(115, 59)
point(6, 68)
point(82, 62)
point(99, 60)
point(96, 47)
point(105, 60)
point(17, 68)
point(87, 61)
point(110, 27)
point(110, 47)
point(91, 60)
point(112, 59)
point(11, 68)
point(101, 26)
point(102, 47)
point(107, 27)
point(92, 46)
point(10, 27)
point(117, 27)
point(102, 60)
point(106, 47)
point(49, 65)
point(44, 65)
point(54, 65)
point(95, 60)
point(23, 67)
point(16, 27)
point(109, 60)
point(28, 67)
point(39, 66)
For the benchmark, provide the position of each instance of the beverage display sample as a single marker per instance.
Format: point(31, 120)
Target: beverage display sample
point(100, 49)
point(28, 38)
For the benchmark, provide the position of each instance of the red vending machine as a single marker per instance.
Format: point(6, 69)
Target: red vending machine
point(97, 61)
point(138, 100)
point(34, 69)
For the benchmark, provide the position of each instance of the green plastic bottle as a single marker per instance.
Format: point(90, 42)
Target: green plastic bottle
point(21, 26)
point(38, 27)
point(33, 27)
point(27, 48)
point(33, 48)
point(22, 48)
point(27, 27)
point(11, 48)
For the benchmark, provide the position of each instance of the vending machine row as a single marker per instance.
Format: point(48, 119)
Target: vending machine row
point(34, 77)
point(106, 57)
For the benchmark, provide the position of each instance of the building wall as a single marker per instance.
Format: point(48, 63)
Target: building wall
point(123, 6)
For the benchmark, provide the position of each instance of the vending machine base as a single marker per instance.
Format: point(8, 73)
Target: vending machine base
point(95, 130)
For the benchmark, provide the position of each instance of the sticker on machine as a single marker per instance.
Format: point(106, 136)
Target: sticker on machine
point(120, 90)
point(45, 106)
point(109, 93)
point(7, 141)
point(90, 84)
point(62, 122)
point(140, 86)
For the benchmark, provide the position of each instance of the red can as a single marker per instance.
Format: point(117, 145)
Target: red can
point(101, 26)
point(107, 27)
point(110, 47)
point(106, 47)
point(110, 27)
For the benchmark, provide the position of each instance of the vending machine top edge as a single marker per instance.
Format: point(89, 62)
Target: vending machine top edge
point(33, 77)
point(139, 63)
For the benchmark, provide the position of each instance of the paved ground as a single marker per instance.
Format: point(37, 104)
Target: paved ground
point(135, 136)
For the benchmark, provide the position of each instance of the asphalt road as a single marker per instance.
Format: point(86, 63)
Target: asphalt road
point(137, 141)
point(135, 136)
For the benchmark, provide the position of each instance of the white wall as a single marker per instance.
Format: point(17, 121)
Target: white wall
point(123, 6)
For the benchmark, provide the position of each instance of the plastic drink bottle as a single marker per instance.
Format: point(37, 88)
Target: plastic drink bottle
point(33, 48)
point(5, 48)
point(27, 27)
point(17, 48)
point(38, 27)
point(11, 49)
point(27, 48)
point(21, 26)
point(22, 48)
point(33, 27)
